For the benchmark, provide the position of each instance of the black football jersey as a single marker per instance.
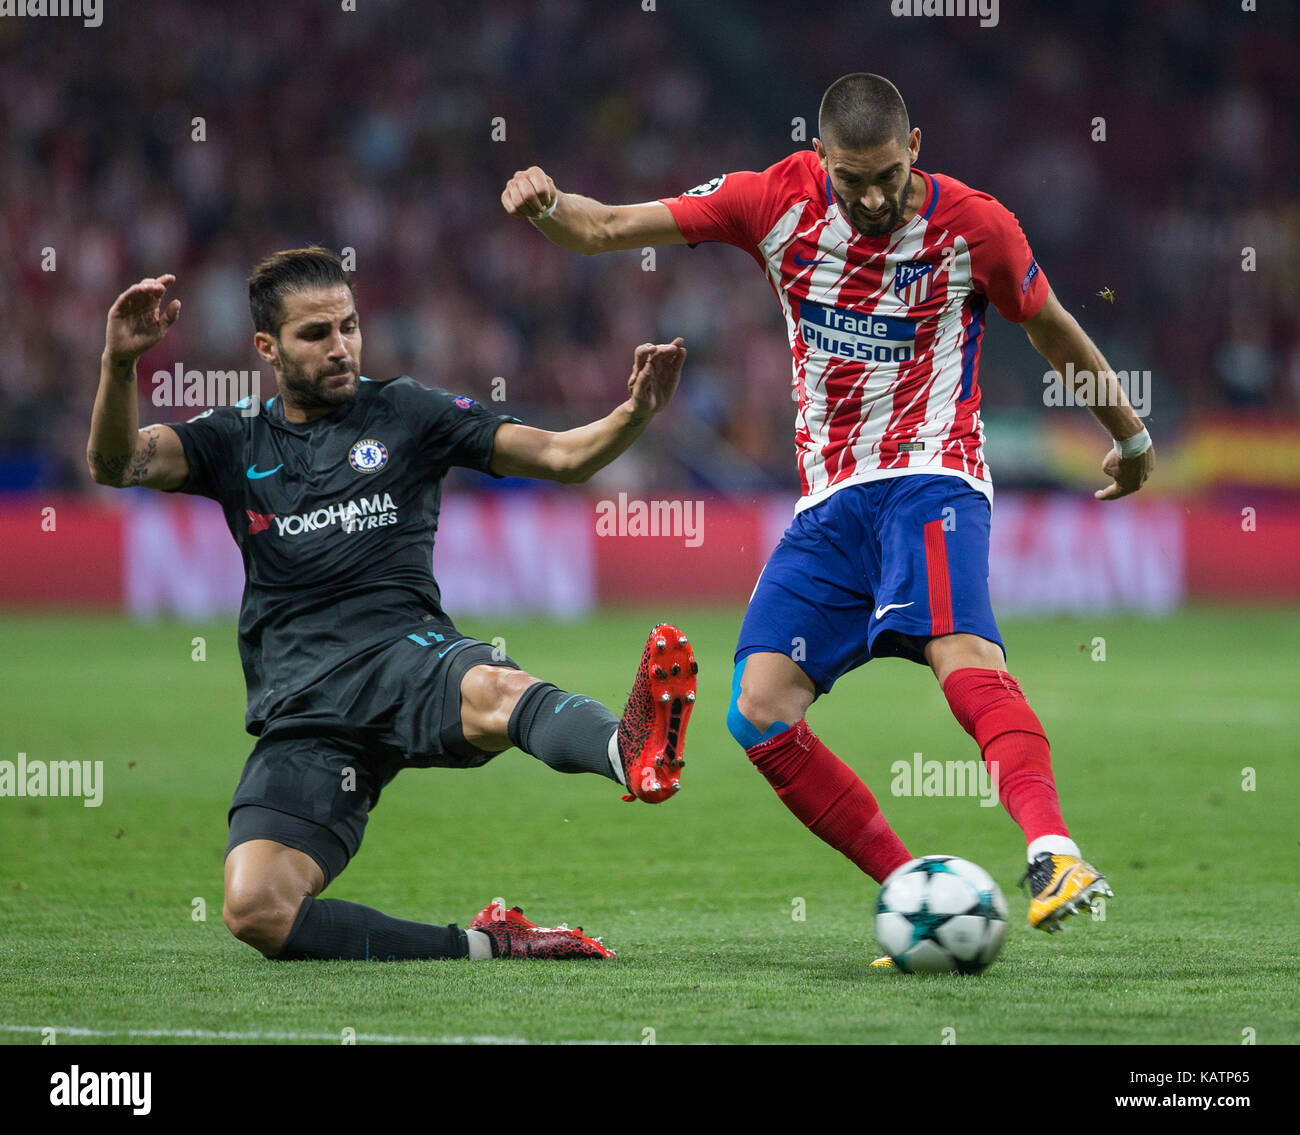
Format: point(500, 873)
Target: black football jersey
point(335, 519)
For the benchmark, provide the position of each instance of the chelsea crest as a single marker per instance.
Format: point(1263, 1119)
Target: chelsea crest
point(368, 455)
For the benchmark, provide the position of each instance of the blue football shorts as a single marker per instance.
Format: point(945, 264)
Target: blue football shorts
point(875, 570)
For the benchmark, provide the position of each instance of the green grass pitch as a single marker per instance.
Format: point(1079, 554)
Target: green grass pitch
point(1153, 747)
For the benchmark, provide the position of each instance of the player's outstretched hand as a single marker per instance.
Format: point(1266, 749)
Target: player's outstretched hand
point(656, 371)
point(529, 193)
point(137, 320)
point(1128, 474)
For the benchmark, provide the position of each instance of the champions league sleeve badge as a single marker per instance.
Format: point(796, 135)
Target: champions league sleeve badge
point(368, 455)
point(704, 189)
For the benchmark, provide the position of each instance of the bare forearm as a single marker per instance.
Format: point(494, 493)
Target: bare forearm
point(114, 423)
point(574, 455)
point(1080, 364)
point(568, 455)
point(583, 225)
point(579, 224)
point(590, 448)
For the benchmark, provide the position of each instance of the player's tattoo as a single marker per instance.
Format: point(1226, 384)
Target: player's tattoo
point(140, 462)
point(129, 469)
point(109, 468)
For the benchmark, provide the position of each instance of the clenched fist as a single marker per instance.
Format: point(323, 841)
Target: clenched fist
point(529, 193)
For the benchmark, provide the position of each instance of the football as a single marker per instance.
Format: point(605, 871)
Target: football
point(941, 914)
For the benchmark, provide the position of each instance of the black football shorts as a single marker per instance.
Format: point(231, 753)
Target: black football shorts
point(326, 761)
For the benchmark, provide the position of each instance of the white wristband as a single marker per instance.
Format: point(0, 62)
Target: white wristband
point(1133, 446)
point(549, 210)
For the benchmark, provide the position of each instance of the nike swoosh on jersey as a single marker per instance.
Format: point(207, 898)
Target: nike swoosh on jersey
point(254, 475)
point(798, 259)
point(881, 612)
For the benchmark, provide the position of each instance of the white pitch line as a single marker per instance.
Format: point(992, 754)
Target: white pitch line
point(209, 1034)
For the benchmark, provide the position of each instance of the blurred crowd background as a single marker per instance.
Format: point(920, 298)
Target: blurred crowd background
point(374, 130)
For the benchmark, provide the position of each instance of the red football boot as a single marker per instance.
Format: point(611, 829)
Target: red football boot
point(516, 937)
point(652, 733)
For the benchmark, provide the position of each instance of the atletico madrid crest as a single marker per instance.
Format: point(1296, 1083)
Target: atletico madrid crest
point(913, 282)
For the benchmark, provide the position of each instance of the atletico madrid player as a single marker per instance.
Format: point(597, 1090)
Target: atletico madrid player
point(354, 669)
point(884, 274)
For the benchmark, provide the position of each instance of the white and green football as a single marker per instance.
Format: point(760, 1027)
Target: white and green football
point(941, 914)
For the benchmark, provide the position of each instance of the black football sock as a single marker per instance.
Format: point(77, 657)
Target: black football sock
point(569, 732)
point(330, 929)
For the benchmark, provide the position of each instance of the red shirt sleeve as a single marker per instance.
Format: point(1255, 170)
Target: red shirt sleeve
point(1003, 264)
point(721, 209)
point(735, 208)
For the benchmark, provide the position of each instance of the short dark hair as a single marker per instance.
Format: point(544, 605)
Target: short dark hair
point(293, 270)
point(862, 111)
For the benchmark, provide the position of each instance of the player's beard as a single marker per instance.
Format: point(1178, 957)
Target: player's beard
point(891, 219)
point(307, 390)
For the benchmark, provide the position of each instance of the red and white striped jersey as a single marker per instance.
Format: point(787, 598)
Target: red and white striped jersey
point(885, 331)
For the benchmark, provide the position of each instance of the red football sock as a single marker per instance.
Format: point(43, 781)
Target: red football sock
point(829, 799)
point(991, 707)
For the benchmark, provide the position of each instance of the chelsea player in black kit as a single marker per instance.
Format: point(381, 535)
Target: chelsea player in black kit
point(354, 671)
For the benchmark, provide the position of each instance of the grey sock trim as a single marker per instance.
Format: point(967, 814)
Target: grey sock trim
point(616, 759)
